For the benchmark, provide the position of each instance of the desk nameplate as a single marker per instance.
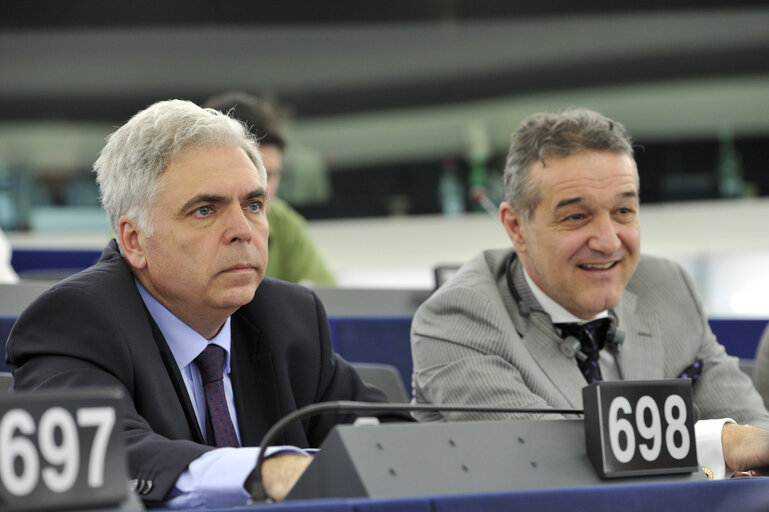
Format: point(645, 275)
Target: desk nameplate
point(61, 449)
point(637, 428)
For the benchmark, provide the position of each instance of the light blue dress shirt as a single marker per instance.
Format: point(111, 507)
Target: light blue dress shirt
point(216, 478)
point(186, 344)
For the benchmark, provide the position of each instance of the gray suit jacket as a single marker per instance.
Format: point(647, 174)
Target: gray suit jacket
point(761, 369)
point(471, 345)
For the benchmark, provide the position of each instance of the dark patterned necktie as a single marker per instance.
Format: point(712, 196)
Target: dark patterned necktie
point(592, 337)
point(219, 429)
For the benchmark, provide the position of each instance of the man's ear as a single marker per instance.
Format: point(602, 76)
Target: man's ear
point(132, 241)
point(514, 225)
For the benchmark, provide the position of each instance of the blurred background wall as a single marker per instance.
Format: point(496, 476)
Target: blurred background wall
point(399, 114)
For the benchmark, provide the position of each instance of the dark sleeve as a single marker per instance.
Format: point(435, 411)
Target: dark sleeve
point(72, 337)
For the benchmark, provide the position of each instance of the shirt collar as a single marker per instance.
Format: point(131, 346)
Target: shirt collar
point(558, 314)
point(185, 342)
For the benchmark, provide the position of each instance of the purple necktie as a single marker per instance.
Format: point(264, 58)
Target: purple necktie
point(592, 337)
point(219, 429)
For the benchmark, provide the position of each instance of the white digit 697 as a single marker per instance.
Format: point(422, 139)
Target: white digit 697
point(58, 442)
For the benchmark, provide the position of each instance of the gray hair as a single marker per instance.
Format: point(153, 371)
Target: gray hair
point(138, 152)
point(558, 134)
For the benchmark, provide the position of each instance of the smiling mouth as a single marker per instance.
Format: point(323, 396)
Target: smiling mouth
point(597, 266)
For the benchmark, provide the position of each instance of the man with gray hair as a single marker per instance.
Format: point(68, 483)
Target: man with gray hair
point(529, 327)
point(177, 313)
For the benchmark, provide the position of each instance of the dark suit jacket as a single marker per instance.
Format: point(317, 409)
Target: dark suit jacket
point(93, 329)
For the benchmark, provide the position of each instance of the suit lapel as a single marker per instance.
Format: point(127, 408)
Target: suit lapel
point(541, 340)
point(562, 371)
point(641, 356)
point(178, 382)
point(253, 383)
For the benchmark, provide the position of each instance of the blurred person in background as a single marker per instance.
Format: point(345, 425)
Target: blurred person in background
point(293, 255)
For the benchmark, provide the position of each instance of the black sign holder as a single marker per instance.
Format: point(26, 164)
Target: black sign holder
point(62, 450)
point(637, 428)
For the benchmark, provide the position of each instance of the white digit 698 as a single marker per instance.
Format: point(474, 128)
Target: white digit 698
point(651, 431)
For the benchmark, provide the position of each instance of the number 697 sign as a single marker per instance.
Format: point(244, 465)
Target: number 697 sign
point(635, 428)
point(61, 449)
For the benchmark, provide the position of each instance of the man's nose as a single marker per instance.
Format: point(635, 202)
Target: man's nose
point(604, 237)
point(238, 227)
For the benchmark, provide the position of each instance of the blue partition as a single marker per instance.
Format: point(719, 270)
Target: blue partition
point(386, 339)
point(739, 336)
point(375, 340)
point(27, 261)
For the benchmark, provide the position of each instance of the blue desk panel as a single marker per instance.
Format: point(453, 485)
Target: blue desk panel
point(375, 340)
point(386, 339)
point(743, 494)
point(26, 261)
point(739, 336)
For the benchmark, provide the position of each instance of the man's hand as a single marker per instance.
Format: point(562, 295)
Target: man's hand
point(746, 448)
point(280, 473)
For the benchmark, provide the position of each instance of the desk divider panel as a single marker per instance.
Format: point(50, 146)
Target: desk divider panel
point(385, 340)
point(37, 261)
point(409, 459)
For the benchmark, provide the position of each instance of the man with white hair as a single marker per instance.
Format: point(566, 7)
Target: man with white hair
point(178, 314)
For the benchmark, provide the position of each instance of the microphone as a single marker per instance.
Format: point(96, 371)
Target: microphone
point(479, 195)
point(254, 484)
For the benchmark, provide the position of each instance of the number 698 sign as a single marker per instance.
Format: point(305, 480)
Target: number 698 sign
point(61, 449)
point(635, 428)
